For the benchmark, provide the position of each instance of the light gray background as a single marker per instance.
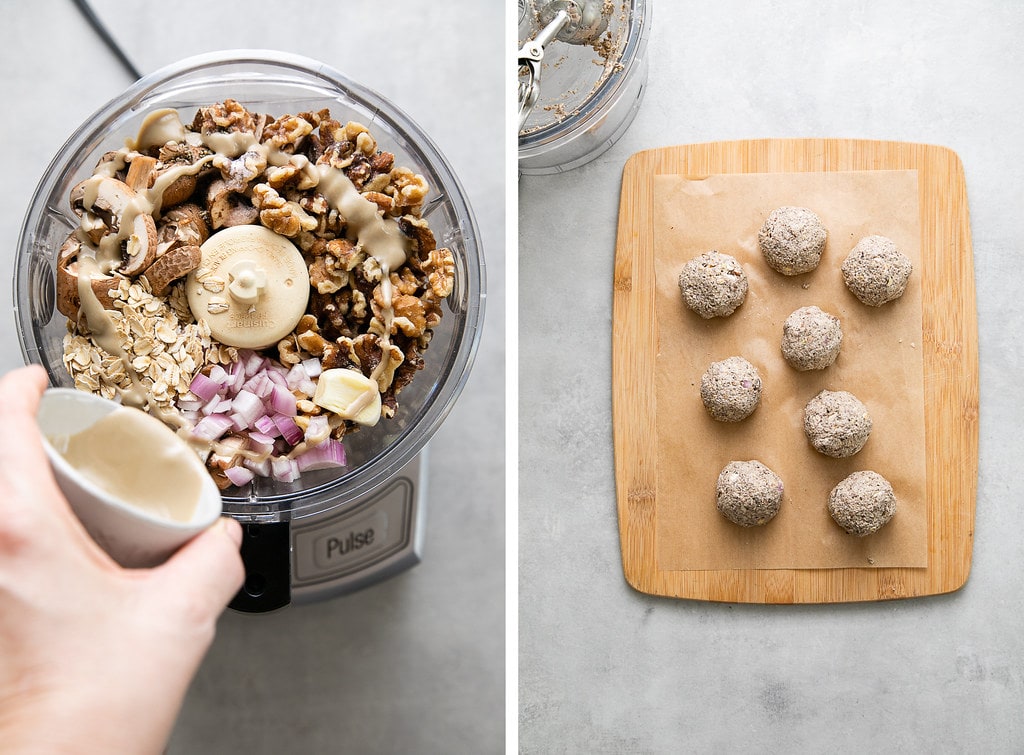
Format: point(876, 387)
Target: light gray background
point(604, 669)
point(415, 664)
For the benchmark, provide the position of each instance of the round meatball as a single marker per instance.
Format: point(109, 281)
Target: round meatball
point(837, 424)
point(713, 284)
point(876, 271)
point(730, 389)
point(748, 493)
point(792, 240)
point(862, 503)
point(811, 339)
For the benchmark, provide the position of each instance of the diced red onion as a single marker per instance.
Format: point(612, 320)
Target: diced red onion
point(261, 468)
point(259, 384)
point(253, 397)
point(212, 427)
point(190, 404)
point(219, 375)
point(329, 454)
point(282, 401)
point(253, 362)
point(312, 367)
point(267, 426)
point(248, 406)
point(239, 475)
point(318, 429)
point(299, 379)
point(289, 430)
point(284, 470)
point(204, 387)
point(296, 375)
point(277, 376)
point(237, 374)
point(260, 443)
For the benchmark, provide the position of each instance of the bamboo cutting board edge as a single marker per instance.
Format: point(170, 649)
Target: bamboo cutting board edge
point(949, 322)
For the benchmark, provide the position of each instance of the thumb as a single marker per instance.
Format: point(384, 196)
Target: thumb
point(209, 567)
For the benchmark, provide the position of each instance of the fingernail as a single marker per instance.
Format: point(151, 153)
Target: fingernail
point(232, 529)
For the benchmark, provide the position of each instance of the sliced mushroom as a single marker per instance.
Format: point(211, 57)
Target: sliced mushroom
point(140, 251)
point(176, 263)
point(227, 208)
point(68, 301)
point(141, 172)
point(179, 190)
point(110, 164)
point(184, 225)
point(114, 203)
point(181, 166)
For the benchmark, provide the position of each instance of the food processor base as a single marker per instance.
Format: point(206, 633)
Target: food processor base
point(355, 545)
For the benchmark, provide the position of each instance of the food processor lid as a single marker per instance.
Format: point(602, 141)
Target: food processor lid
point(580, 77)
point(281, 78)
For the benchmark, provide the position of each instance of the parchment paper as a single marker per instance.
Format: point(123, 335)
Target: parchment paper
point(880, 363)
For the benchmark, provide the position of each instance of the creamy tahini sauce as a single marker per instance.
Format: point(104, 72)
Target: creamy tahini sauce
point(377, 235)
point(158, 128)
point(104, 333)
point(128, 455)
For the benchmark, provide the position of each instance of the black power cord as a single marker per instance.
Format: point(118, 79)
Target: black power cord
point(98, 26)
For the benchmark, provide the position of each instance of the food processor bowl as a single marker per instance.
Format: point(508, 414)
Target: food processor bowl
point(276, 83)
point(589, 91)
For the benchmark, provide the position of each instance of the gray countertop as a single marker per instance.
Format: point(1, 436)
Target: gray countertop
point(604, 669)
point(414, 664)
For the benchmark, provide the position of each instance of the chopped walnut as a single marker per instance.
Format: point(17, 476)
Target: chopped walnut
point(382, 162)
point(421, 239)
point(288, 351)
point(347, 253)
point(410, 188)
point(287, 132)
point(315, 204)
point(404, 281)
point(383, 201)
point(441, 267)
point(358, 170)
point(226, 116)
point(372, 270)
point(409, 315)
point(241, 171)
point(366, 143)
point(312, 342)
point(282, 216)
point(325, 276)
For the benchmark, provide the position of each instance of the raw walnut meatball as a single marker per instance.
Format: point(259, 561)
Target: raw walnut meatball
point(748, 493)
point(792, 240)
point(862, 503)
point(811, 339)
point(837, 424)
point(730, 389)
point(713, 284)
point(876, 271)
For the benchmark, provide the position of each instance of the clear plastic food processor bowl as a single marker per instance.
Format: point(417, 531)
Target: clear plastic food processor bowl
point(589, 92)
point(273, 83)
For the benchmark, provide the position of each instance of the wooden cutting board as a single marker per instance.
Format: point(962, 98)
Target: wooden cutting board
point(950, 354)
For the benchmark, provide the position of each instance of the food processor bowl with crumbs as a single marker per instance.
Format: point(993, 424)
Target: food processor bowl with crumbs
point(583, 85)
point(332, 530)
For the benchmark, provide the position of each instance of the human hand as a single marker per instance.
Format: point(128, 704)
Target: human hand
point(93, 657)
